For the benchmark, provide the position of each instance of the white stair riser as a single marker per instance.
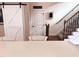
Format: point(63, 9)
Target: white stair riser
point(75, 41)
point(75, 33)
point(74, 38)
point(77, 29)
point(71, 37)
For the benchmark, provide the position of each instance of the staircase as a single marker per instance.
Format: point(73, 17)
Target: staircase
point(70, 32)
point(71, 29)
point(67, 28)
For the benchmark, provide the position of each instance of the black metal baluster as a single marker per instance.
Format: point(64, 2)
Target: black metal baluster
point(68, 28)
point(64, 34)
point(78, 18)
point(76, 21)
point(71, 24)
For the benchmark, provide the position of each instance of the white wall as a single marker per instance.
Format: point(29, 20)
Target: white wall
point(12, 16)
point(59, 11)
point(34, 13)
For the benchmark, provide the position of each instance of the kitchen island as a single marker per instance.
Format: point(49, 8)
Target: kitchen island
point(38, 49)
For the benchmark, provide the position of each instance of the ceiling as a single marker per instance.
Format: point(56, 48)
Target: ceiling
point(44, 4)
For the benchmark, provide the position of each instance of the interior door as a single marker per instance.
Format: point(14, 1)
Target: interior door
point(37, 23)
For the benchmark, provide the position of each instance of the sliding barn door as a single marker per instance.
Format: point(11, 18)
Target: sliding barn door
point(12, 16)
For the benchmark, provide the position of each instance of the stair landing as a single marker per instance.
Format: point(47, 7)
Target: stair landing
point(54, 38)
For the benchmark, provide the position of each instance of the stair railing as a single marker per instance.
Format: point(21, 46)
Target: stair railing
point(71, 24)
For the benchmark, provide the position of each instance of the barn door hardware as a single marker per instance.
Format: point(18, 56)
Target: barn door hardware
point(20, 4)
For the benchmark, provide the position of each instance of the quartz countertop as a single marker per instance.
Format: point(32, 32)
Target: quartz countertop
point(38, 49)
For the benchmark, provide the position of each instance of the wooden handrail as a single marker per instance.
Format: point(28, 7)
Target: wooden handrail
point(72, 16)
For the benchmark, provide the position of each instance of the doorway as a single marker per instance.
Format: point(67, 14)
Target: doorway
point(37, 23)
